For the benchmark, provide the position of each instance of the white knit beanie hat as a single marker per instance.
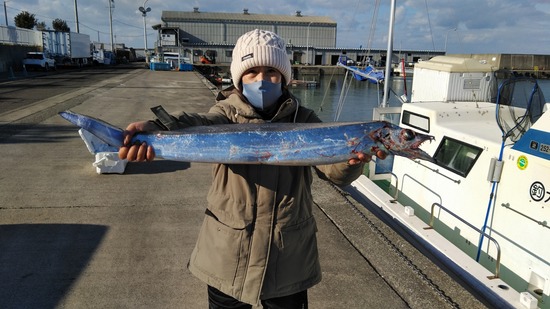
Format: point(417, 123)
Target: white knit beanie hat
point(259, 48)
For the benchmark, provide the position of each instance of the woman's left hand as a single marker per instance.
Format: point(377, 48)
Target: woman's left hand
point(365, 158)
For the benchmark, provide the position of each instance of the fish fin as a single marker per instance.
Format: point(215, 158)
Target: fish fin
point(106, 132)
point(94, 144)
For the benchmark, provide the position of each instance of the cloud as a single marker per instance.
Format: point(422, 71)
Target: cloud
point(499, 26)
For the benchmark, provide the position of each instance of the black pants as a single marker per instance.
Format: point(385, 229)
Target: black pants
point(219, 300)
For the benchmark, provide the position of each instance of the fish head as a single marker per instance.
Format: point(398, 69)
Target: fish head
point(401, 141)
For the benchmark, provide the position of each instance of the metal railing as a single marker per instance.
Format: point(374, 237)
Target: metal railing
point(432, 217)
point(396, 194)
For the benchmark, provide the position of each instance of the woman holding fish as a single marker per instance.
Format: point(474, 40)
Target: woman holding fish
point(257, 244)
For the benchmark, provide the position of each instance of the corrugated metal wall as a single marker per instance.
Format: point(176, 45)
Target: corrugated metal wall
point(432, 85)
point(219, 34)
point(228, 32)
point(309, 39)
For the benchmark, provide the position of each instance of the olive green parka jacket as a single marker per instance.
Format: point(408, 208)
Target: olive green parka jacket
point(258, 238)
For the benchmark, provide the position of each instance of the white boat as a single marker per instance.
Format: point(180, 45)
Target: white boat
point(368, 73)
point(174, 59)
point(483, 207)
point(398, 70)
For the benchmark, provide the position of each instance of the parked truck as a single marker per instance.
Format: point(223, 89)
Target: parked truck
point(68, 48)
point(101, 56)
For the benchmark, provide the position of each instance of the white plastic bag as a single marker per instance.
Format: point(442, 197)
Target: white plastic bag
point(106, 156)
point(109, 163)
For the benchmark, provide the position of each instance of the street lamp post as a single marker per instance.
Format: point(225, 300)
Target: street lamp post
point(144, 12)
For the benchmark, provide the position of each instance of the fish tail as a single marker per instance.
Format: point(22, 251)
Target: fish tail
point(106, 132)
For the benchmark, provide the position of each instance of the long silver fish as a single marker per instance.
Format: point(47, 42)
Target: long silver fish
point(270, 143)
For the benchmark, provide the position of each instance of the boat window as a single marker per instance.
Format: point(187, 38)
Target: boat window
point(456, 156)
point(417, 121)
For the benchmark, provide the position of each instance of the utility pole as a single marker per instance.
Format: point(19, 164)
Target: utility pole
point(307, 44)
point(111, 3)
point(76, 16)
point(6, 13)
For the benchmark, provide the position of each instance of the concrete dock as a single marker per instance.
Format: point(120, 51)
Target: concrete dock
point(72, 238)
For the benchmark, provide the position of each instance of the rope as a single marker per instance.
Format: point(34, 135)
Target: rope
point(372, 29)
point(395, 248)
point(430, 24)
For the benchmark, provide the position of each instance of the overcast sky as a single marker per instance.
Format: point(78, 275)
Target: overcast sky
point(482, 26)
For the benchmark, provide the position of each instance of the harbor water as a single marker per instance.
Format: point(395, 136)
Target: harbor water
point(360, 98)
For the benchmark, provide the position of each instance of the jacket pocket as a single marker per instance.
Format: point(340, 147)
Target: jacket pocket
point(297, 259)
point(218, 249)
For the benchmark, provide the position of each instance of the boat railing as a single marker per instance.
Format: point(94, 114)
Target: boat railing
point(396, 194)
point(432, 218)
point(428, 189)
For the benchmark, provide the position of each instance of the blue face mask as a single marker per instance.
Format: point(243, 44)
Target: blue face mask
point(262, 94)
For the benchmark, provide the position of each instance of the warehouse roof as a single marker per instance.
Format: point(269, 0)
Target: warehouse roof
point(245, 16)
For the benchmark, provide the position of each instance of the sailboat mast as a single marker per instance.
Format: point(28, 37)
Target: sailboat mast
point(389, 54)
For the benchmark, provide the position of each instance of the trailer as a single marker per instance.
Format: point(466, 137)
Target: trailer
point(68, 48)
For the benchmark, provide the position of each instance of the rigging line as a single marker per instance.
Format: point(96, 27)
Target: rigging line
point(372, 30)
point(343, 98)
point(373, 24)
point(93, 29)
point(326, 91)
point(343, 94)
point(430, 24)
point(355, 10)
point(137, 27)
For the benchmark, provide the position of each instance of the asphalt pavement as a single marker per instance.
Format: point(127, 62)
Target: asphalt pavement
point(72, 238)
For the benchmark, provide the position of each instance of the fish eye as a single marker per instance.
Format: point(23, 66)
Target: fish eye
point(407, 134)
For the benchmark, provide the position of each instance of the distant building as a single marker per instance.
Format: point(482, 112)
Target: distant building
point(210, 37)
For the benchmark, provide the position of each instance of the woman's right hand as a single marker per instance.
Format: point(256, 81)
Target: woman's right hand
point(137, 152)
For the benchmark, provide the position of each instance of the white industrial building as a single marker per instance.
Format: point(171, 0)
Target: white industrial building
point(310, 39)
